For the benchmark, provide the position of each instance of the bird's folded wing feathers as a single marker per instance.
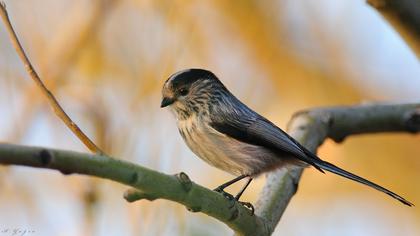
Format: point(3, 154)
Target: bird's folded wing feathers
point(259, 131)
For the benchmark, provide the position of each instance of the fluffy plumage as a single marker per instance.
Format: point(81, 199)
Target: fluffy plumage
point(227, 134)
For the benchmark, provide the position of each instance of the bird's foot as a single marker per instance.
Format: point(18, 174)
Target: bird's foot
point(249, 206)
point(229, 196)
point(225, 194)
point(218, 189)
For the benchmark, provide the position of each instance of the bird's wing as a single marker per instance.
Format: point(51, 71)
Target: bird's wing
point(255, 129)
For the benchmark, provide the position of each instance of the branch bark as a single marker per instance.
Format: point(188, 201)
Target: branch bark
point(310, 128)
point(178, 188)
point(404, 16)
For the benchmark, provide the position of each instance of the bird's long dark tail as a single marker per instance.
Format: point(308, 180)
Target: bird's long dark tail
point(337, 170)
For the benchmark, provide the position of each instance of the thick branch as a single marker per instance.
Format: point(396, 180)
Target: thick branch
point(404, 16)
point(149, 183)
point(312, 127)
point(59, 111)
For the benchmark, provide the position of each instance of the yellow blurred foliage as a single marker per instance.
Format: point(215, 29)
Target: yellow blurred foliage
point(106, 62)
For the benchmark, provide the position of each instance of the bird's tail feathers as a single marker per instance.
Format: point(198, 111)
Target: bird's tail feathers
point(337, 170)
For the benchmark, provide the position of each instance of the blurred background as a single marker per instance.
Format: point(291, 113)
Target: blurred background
point(107, 60)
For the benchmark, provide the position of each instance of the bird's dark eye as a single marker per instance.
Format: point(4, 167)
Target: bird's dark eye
point(183, 91)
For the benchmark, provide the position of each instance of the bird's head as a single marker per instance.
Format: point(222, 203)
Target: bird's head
point(188, 91)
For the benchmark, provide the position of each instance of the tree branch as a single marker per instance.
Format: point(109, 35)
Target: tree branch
point(310, 128)
point(59, 111)
point(178, 188)
point(404, 16)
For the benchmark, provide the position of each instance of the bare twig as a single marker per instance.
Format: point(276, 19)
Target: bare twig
point(50, 97)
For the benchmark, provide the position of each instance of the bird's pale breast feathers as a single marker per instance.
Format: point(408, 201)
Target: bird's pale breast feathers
point(224, 152)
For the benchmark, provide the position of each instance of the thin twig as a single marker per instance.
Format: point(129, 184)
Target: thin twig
point(59, 111)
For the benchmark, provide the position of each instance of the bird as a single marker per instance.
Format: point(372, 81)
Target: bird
point(227, 134)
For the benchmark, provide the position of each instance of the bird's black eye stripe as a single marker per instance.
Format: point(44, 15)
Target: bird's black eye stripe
point(183, 91)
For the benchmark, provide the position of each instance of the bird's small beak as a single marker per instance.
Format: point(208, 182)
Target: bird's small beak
point(166, 102)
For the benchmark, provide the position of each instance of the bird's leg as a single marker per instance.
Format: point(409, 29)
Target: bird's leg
point(243, 189)
point(245, 204)
point(227, 184)
point(223, 186)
